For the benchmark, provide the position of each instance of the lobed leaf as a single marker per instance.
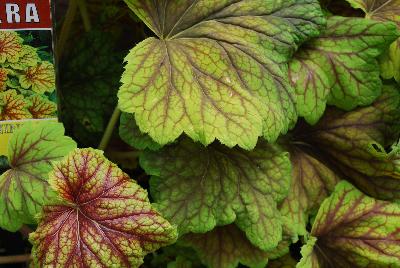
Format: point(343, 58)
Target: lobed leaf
point(40, 107)
point(39, 78)
point(199, 188)
point(354, 230)
point(355, 142)
point(104, 219)
point(384, 10)
point(93, 66)
point(24, 188)
point(312, 181)
point(29, 58)
point(13, 106)
point(216, 63)
point(226, 246)
point(340, 66)
point(10, 46)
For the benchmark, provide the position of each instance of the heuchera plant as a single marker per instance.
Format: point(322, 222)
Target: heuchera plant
point(26, 80)
point(266, 132)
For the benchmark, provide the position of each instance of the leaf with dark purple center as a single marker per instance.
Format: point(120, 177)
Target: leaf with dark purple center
point(103, 219)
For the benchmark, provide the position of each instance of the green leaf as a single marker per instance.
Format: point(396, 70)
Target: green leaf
point(225, 246)
point(340, 66)
point(104, 218)
point(218, 69)
point(131, 134)
point(313, 181)
point(310, 257)
point(384, 10)
point(354, 230)
point(390, 62)
point(199, 187)
point(24, 188)
point(355, 143)
point(89, 83)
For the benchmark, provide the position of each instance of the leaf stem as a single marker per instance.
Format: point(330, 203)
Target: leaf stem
point(110, 129)
point(25, 231)
point(85, 15)
point(15, 259)
point(66, 27)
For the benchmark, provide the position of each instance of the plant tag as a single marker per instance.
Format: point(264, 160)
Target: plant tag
point(27, 73)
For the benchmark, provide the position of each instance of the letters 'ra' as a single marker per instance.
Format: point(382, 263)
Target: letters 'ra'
point(14, 13)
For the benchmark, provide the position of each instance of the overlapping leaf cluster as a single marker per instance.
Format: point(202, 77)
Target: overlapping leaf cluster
point(267, 133)
point(26, 81)
point(234, 76)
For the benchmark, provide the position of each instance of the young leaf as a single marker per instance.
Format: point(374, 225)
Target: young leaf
point(10, 46)
point(384, 10)
point(199, 187)
point(131, 134)
point(340, 66)
point(226, 246)
point(354, 230)
point(104, 219)
point(218, 69)
point(40, 78)
point(40, 107)
point(313, 181)
point(13, 106)
point(355, 143)
point(24, 188)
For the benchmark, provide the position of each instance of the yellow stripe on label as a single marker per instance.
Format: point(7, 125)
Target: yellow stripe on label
point(7, 128)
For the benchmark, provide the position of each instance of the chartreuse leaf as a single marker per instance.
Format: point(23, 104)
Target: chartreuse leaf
point(226, 246)
point(40, 107)
point(13, 106)
point(354, 230)
point(384, 10)
point(199, 187)
point(24, 188)
point(340, 66)
point(104, 219)
point(11, 46)
point(217, 69)
point(312, 181)
point(29, 58)
point(39, 78)
point(131, 134)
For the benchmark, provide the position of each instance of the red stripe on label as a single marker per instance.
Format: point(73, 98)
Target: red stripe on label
point(25, 14)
